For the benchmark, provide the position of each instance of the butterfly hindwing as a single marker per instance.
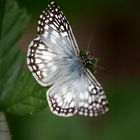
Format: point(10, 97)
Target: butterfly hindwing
point(83, 95)
point(62, 96)
point(91, 98)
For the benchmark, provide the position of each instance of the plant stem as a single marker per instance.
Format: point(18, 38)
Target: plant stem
point(4, 129)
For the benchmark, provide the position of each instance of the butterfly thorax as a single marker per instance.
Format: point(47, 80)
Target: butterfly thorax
point(75, 64)
point(88, 60)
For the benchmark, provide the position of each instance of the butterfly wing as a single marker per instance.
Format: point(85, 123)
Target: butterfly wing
point(55, 42)
point(91, 98)
point(61, 97)
point(52, 24)
point(78, 94)
point(43, 62)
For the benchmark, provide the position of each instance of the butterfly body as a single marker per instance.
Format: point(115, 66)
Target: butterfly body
point(55, 60)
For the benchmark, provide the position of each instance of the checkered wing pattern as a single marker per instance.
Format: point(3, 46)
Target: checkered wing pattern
point(82, 95)
point(52, 24)
point(53, 58)
point(55, 42)
point(91, 97)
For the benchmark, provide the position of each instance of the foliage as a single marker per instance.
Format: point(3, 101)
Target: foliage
point(18, 93)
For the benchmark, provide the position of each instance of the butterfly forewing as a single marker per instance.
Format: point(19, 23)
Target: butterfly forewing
point(55, 41)
point(53, 19)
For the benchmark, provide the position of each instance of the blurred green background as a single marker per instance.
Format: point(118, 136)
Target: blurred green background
point(115, 27)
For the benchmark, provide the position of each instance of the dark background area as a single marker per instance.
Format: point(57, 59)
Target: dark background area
point(115, 27)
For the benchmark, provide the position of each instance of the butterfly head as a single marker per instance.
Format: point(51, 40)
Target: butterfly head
point(89, 61)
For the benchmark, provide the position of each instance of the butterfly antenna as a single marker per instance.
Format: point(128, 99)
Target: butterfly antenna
point(101, 68)
point(89, 42)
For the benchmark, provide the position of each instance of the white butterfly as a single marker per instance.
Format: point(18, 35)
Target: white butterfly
point(54, 59)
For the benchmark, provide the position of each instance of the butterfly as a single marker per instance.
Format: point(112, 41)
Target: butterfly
point(55, 60)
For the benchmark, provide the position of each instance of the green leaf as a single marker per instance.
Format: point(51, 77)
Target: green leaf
point(19, 94)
